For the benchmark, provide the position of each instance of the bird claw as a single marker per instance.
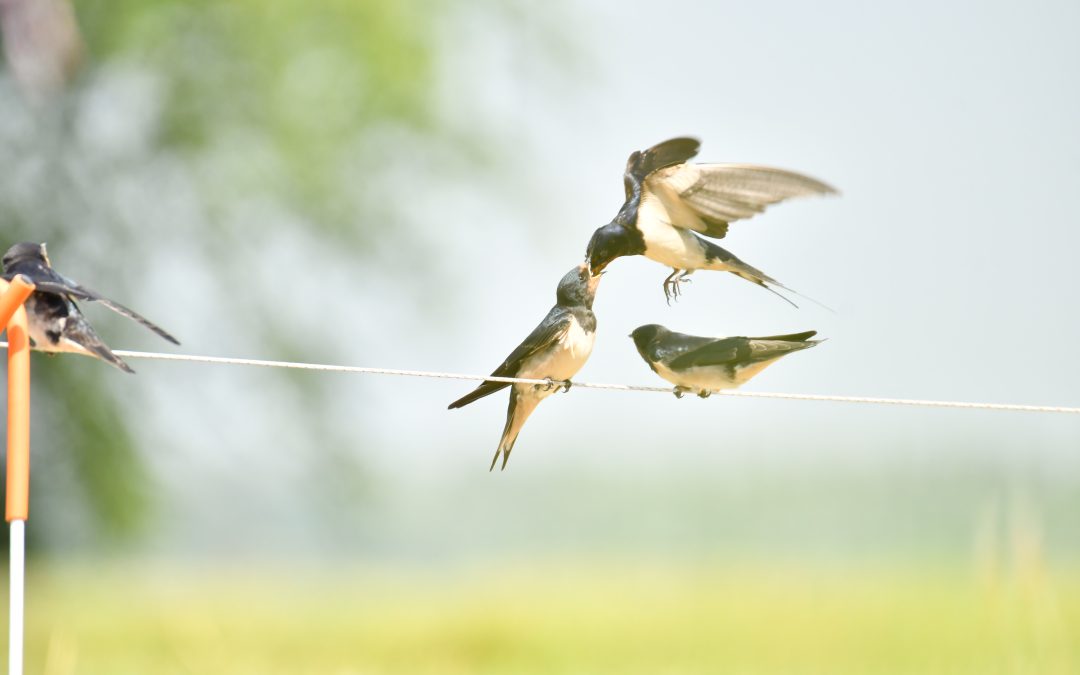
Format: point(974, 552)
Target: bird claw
point(704, 393)
point(679, 391)
point(671, 285)
point(550, 384)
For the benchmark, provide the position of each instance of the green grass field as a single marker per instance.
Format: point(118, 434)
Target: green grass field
point(554, 618)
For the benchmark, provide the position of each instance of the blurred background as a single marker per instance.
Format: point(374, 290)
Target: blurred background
point(402, 184)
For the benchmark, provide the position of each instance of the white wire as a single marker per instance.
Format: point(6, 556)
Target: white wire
point(363, 370)
point(591, 385)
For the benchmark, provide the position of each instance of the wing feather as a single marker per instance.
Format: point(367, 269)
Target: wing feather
point(64, 286)
point(718, 194)
point(725, 351)
point(743, 351)
point(551, 330)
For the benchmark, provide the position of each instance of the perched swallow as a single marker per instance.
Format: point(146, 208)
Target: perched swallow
point(54, 321)
point(555, 351)
point(704, 365)
point(669, 202)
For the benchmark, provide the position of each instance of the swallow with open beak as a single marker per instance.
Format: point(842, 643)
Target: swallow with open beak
point(703, 365)
point(555, 351)
point(54, 321)
point(669, 202)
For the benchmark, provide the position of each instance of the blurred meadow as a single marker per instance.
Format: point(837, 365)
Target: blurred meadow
point(402, 184)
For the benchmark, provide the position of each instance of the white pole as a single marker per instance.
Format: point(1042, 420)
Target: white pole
point(15, 598)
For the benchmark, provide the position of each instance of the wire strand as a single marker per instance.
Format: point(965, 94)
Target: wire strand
point(364, 370)
point(221, 360)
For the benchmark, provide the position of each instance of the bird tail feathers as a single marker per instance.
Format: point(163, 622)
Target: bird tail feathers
point(485, 389)
point(91, 346)
point(756, 276)
point(517, 412)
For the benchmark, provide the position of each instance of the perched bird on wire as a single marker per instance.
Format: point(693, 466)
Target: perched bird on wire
point(555, 351)
point(54, 321)
point(703, 365)
point(669, 202)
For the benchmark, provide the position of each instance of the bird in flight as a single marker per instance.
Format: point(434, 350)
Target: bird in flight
point(703, 365)
point(670, 202)
point(555, 351)
point(54, 321)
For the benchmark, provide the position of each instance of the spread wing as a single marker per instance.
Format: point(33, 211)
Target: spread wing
point(667, 153)
point(552, 329)
point(707, 197)
point(55, 283)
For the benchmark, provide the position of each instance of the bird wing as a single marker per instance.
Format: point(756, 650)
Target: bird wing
point(662, 155)
point(63, 286)
point(724, 351)
point(552, 329)
point(80, 336)
point(791, 337)
point(718, 194)
point(741, 351)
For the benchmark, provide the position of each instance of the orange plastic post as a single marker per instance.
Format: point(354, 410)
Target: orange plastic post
point(13, 316)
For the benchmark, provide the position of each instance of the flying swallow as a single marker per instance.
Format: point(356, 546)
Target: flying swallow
point(555, 351)
point(704, 364)
point(669, 202)
point(54, 321)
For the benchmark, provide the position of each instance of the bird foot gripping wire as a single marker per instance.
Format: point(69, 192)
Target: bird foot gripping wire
point(681, 391)
point(552, 384)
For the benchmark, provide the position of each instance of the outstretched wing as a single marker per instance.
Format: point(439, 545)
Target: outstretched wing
point(63, 286)
point(707, 197)
point(661, 156)
point(552, 329)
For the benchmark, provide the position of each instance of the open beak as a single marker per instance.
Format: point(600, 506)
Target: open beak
point(594, 279)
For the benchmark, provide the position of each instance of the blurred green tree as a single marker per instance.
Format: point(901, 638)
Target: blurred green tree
point(195, 134)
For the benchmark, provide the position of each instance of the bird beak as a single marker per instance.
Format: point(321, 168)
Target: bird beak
point(594, 279)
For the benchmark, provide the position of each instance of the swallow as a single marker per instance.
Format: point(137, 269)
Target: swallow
point(669, 202)
point(54, 321)
point(703, 364)
point(555, 351)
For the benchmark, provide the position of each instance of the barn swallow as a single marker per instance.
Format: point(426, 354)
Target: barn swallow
point(555, 351)
point(669, 202)
point(54, 321)
point(704, 364)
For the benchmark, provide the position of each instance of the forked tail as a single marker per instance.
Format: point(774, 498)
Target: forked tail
point(756, 276)
point(519, 409)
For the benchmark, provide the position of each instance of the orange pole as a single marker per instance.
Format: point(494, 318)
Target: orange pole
point(13, 316)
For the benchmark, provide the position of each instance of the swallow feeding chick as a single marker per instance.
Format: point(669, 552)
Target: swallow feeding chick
point(669, 202)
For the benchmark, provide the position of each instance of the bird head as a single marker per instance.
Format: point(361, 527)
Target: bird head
point(578, 287)
point(644, 335)
point(26, 251)
point(609, 242)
